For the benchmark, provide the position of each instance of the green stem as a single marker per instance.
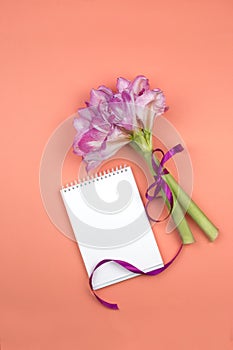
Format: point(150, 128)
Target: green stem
point(142, 143)
point(177, 212)
point(192, 208)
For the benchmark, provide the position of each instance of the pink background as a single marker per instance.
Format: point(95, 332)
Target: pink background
point(52, 53)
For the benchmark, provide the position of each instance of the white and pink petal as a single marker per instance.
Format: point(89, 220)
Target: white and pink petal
point(139, 85)
point(100, 95)
point(115, 141)
point(122, 84)
point(91, 141)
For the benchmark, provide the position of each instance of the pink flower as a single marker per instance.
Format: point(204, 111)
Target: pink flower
point(96, 138)
point(143, 104)
point(111, 119)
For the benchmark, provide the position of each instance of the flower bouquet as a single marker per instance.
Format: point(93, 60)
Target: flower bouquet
point(112, 120)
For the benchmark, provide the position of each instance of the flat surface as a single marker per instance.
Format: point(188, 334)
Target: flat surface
point(52, 53)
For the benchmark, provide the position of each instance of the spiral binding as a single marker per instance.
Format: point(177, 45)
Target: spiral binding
point(94, 178)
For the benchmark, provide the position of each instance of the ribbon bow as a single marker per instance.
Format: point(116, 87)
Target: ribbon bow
point(159, 183)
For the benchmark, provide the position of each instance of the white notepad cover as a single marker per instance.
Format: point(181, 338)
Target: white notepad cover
point(109, 222)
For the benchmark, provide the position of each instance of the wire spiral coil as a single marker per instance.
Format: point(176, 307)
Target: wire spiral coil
point(94, 178)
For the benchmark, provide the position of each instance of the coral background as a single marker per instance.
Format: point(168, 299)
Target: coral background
point(52, 53)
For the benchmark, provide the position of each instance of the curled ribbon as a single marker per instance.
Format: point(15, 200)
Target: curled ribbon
point(158, 185)
point(130, 268)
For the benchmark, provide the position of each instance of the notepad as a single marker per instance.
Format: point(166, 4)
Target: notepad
point(109, 222)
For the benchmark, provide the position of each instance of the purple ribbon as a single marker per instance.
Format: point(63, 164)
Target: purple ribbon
point(130, 268)
point(158, 185)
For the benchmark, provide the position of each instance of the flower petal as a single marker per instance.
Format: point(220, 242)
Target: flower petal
point(91, 141)
point(98, 96)
point(123, 114)
point(154, 107)
point(106, 90)
point(114, 142)
point(139, 85)
point(122, 84)
point(81, 125)
point(87, 113)
point(100, 124)
point(159, 104)
point(146, 115)
point(147, 97)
